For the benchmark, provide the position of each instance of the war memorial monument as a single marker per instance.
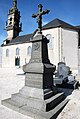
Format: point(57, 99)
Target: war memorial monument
point(39, 98)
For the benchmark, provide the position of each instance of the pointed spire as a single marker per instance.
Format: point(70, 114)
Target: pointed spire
point(15, 3)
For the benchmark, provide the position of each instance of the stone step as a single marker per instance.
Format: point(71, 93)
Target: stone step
point(54, 101)
point(55, 112)
point(19, 98)
point(29, 101)
point(32, 92)
point(11, 104)
point(48, 103)
point(32, 112)
point(48, 94)
point(46, 90)
point(36, 114)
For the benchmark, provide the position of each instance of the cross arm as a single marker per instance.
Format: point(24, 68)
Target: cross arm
point(35, 15)
point(45, 12)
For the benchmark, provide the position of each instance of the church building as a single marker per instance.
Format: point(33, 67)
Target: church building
point(63, 42)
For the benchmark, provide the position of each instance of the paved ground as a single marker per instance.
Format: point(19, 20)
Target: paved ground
point(72, 109)
point(12, 79)
point(10, 82)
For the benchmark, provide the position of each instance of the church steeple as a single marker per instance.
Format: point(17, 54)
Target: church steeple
point(15, 4)
point(13, 25)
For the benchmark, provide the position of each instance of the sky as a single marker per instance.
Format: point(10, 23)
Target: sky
point(66, 10)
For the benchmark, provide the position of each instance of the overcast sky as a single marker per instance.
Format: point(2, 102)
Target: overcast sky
point(66, 10)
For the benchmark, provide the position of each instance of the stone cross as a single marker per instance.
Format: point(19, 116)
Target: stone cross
point(39, 15)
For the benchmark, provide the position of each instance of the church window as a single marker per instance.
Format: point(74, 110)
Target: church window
point(30, 39)
point(17, 51)
point(29, 50)
point(7, 53)
point(10, 21)
point(50, 38)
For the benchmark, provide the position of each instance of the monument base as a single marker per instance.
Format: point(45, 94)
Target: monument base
point(30, 101)
point(69, 85)
point(38, 99)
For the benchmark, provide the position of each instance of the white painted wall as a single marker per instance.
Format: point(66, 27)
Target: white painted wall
point(65, 47)
point(10, 61)
point(10, 35)
point(70, 48)
point(79, 60)
point(54, 51)
point(0, 56)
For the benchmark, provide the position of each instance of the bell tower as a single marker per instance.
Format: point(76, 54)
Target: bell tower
point(13, 25)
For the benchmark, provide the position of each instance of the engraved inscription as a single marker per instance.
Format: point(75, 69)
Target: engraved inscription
point(36, 54)
point(36, 46)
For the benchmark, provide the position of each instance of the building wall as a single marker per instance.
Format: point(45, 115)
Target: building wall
point(64, 48)
point(54, 51)
point(79, 60)
point(10, 61)
point(9, 34)
point(70, 48)
point(0, 56)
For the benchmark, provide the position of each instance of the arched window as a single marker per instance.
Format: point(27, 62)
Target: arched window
point(50, 38)
point(29, 50)
point(10, 21)
point(17, 51)
point(7, 52)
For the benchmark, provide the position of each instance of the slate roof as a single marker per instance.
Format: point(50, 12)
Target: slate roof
point(78, 27)
point(57, 23)
point(20, 39)
point(53, 24)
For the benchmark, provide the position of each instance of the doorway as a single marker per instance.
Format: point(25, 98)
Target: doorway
point(17, 61)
